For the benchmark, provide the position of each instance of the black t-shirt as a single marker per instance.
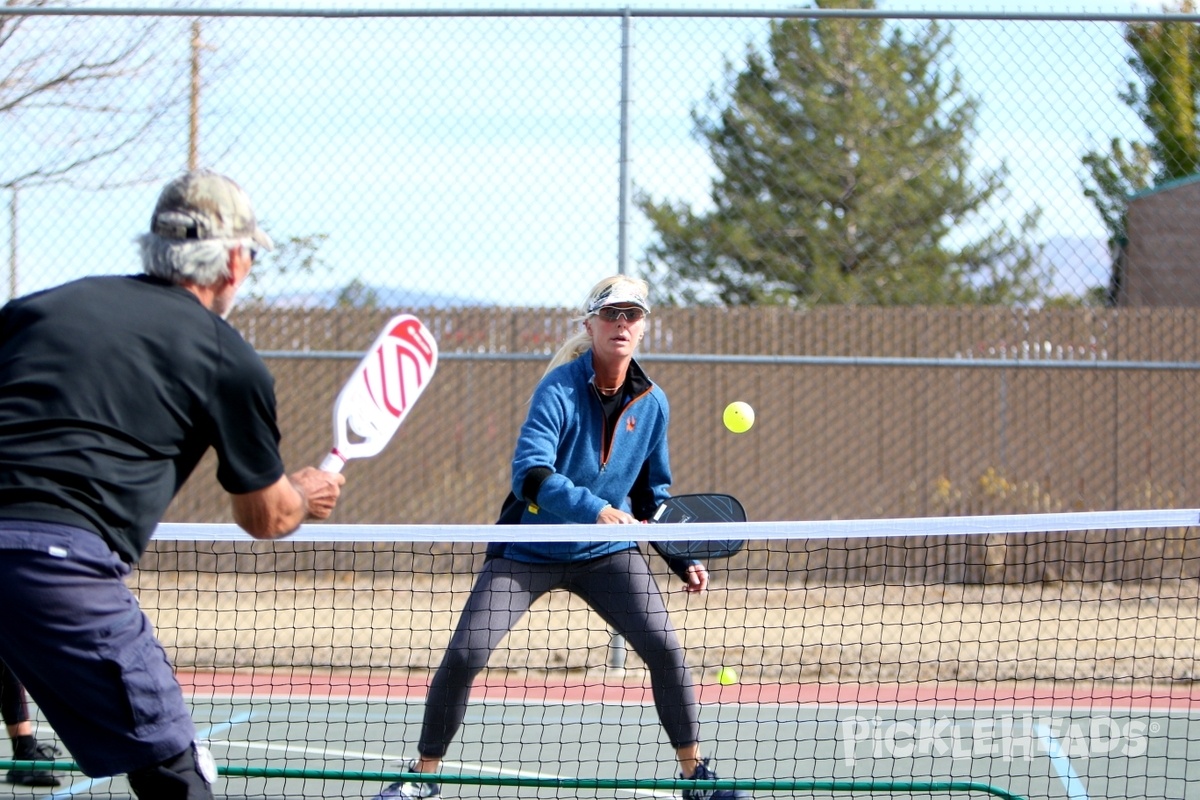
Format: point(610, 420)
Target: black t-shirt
point(111, 389)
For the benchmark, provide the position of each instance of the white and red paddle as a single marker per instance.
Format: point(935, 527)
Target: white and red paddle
point(378, 396)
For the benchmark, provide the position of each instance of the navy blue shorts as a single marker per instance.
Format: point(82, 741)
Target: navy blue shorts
point(74, 634)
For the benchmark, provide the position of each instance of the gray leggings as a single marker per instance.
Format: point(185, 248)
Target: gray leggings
point(618, 587)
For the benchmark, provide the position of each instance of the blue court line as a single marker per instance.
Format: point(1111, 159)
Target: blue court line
point(80, 787)
point(1062, 765)
point(213, 730)
point(86, 786)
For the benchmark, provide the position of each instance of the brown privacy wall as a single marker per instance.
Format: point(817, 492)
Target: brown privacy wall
point(1007, 431)
point(991, 422)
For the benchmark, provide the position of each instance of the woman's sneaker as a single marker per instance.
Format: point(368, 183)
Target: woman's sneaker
point(409, 790)
point(703, 773)
point(35, 777)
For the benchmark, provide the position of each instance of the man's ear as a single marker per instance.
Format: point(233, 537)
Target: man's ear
point(238, 265)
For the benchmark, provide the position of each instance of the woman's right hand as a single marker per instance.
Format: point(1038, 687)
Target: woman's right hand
point(615, 516)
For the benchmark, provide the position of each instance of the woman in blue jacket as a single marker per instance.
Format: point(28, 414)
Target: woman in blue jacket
point(593, 449)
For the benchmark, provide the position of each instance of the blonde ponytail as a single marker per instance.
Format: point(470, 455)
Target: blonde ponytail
point(575, 346)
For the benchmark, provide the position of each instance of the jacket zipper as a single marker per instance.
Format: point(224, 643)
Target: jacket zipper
point(606, 450)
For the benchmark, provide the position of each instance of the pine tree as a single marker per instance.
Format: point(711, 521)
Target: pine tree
point(1166, 61)
point(843, 155)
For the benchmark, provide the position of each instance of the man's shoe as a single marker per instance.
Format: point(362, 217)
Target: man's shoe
point(703, 773)
point(409, 790)
point(35, 777)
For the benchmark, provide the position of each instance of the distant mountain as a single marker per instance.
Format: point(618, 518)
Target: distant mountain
point(365, 295)
point(1074, 265)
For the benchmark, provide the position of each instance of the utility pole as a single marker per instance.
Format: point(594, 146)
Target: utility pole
point(194, 106)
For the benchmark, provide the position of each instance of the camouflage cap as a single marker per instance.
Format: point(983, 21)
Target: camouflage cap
point(617, 294)
point(206, 205)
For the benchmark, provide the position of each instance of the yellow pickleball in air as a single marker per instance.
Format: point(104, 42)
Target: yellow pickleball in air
point(738, 416)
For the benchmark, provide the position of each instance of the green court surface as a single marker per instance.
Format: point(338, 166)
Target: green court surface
point(297, 744)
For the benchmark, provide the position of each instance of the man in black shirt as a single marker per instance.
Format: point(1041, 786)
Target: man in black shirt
point(111, 390)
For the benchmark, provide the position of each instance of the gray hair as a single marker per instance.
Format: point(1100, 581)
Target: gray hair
point(203, 262)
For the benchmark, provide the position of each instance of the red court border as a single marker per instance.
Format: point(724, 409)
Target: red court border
point(312, 684)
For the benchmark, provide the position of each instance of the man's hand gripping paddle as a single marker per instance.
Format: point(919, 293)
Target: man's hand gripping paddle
point(382, 390)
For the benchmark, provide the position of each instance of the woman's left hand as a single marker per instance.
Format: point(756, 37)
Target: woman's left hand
point(697, 578)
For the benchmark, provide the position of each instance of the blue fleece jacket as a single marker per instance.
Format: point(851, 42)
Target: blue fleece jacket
point(564, 432)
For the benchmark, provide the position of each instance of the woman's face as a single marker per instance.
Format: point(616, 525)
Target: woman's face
point(616, 330)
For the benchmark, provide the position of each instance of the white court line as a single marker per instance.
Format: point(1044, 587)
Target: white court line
point(479, 769)
point(79, 787)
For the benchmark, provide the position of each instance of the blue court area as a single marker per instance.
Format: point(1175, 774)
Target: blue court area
point(314, 748)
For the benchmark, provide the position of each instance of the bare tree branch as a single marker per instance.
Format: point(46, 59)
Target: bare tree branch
point(85, 101)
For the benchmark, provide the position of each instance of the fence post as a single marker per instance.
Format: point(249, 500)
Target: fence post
point(623, 211)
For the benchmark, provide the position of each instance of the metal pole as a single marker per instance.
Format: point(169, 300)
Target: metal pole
point(194, 101)
point(623, 211)
point(616, 647)
point(12, 245)
point(616, 652)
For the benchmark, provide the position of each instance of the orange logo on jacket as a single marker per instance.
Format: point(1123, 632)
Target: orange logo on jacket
point(630, 423)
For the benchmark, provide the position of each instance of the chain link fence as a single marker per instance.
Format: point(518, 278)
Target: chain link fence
point(874, 229)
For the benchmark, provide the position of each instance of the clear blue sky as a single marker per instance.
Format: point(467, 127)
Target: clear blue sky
point(416, 156)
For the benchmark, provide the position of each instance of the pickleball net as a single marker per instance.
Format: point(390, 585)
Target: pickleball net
point(1021, 656)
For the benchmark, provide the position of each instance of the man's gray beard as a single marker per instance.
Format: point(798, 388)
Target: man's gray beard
point(223, 313)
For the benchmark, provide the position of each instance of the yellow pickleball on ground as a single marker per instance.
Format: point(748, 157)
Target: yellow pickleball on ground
point(727, 676)
point(738, 416)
